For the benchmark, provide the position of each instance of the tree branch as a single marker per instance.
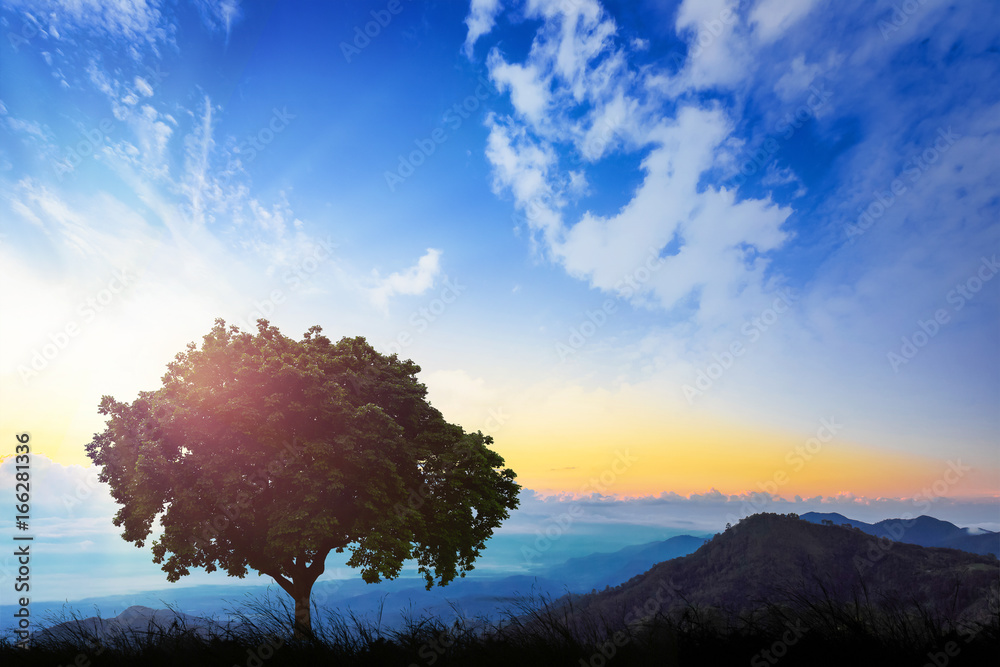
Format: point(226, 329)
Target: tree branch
point(285, 584)
point(318, 565)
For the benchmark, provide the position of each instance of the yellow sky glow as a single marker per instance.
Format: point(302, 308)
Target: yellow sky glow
point(576, 442)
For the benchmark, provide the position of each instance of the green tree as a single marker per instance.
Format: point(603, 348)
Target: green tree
point(261, 452)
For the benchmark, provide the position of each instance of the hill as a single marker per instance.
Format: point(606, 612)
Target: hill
point(770, 559)
point(136, 622)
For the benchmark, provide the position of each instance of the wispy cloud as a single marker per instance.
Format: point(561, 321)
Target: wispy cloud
point(220, 14)
point(136, 23)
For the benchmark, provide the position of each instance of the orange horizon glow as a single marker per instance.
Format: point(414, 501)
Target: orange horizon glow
point(690, 461)
point(688, 455)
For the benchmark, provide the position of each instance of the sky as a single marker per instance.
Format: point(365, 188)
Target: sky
point(669, 254)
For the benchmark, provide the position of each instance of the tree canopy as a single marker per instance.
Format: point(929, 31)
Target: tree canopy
point(266, 453)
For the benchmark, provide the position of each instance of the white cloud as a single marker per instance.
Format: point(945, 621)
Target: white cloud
point(29, 127)
point(796, 80)
point(415, 280)
point(571, 62)
point(575, 34)
point(715, 231)
point(152, 136)
point(482, 15)
point(778, 176)
point(523, 165)
point(143, 87)
point(771, 18)
point(528, 90)
point(198, 148)
point(717, 52)
point(63, 492)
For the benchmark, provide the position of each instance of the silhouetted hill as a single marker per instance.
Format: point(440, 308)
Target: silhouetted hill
point(770, 559)
point(925, 531)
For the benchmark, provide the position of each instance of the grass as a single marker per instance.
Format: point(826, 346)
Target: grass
point(539, 631)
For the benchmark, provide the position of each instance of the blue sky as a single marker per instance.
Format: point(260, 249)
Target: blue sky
point(695, 229)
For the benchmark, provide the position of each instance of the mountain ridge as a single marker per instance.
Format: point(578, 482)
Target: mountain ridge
point(925, 531)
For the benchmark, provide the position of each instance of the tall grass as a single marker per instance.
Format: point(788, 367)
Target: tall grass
point(536, 630)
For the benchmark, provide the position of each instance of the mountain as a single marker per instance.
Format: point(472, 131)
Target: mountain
point(925, 531)
point(770, 559)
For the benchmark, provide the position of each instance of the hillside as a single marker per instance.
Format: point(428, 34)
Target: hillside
point(770, 559)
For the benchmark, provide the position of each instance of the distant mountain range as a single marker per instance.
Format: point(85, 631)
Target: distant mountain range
point(474, 596)
point(925, 531)
point(610, 569)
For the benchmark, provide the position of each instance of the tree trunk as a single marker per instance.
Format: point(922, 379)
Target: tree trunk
point(303, 615)
point(299, 587)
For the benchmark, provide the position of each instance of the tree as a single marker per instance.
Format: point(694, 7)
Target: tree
point(261, 452)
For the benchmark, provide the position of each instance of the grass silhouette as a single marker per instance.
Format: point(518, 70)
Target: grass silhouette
point(537, 630)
